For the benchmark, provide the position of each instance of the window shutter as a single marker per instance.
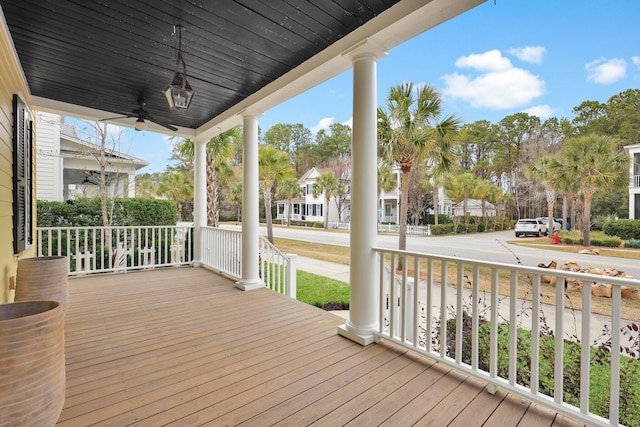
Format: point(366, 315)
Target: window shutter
point(22, 176)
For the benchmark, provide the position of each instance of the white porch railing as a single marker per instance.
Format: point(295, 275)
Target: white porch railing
point(108, 249)
point(443, 318)
point(222, 252)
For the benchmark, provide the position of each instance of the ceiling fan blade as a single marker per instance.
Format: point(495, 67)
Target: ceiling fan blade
point(166, 125)
point(123, 116)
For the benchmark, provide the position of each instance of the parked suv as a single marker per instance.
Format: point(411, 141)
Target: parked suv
point(557, 226)
point(530, 227)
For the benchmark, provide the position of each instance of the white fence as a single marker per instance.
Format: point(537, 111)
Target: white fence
point(222, 252)
point(465, 321)
point(108, 249)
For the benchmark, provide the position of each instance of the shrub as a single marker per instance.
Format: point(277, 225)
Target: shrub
point(623, 228)
point(441, 229)
point(88, 213)
point(610, 242)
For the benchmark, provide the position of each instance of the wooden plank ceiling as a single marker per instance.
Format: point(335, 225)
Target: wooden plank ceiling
point(106, 54)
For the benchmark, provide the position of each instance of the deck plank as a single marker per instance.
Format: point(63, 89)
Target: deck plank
point(184, 346)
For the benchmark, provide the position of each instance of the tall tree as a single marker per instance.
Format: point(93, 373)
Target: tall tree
point(273, 167)
point(220, 150)
point(176, 186)
point(598, 165)
point(294, 139)
point(234, 193)
point(289, 190)
point(407, 134)
point(326, 184)
point(543, 172)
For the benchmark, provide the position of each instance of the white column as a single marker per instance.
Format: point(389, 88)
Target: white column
point(250, 205)
point(363, 305)
point(199, 199)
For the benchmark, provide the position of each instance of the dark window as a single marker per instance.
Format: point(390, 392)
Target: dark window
point(22, 197)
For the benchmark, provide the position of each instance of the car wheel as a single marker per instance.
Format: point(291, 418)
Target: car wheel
point(540, 233)
point(517, 234)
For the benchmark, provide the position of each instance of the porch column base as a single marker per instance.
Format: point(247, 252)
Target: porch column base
point(250, 285)
point(360, 336)
point(196, 264)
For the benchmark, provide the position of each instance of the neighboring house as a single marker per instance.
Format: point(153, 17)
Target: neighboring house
point(633, 151)
point(67, 166)
point(474, 208)
point(309, 208)
point(389, 202)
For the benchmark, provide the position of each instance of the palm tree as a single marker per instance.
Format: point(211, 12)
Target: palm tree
point(234, 193)
point(442, 161)
point(273, 167)
point(329, 184)
point(598, 165)
point(220, 150)
point(407, 134)
point(176, 186)
point(542, 171)
point(289, 189)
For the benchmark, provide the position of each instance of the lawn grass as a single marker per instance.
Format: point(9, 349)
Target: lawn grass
point(319, 290)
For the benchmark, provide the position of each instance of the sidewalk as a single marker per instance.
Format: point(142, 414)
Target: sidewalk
point(572, 324)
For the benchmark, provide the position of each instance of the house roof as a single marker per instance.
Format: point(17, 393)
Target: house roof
point(95, 59)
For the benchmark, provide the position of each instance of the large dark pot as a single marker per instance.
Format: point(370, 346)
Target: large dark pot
point(32, 370)
point(43, 278)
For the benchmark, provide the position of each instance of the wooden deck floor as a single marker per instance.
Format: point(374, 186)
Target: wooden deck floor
point(184, 347)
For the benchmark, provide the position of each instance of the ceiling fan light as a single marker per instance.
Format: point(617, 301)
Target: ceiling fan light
point(141, 124)
point(179, 93)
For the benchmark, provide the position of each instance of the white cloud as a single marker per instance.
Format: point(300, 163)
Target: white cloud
point(488, 61)
point(531, 54)
point(603, 71)
point(349, 122)
point(322, 124)
point(498, 85)
point(543, 111)
point(636, 60)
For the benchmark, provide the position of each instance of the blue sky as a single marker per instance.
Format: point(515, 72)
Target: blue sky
point(543, 57)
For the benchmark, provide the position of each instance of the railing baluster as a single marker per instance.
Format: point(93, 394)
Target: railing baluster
point(614, 401)
point(535, 334)
point(416, 312)
point(513, 328)
point(558, 372)
point(444, 273)
point(585, 351)
point(459, 312)
point(493, 339)
point(475, 316)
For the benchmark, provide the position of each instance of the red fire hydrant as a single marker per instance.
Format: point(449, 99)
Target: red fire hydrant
point(556, 238)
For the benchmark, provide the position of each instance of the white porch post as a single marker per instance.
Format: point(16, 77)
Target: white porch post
point(363, 305)
point(199, 199)
point(250, 205)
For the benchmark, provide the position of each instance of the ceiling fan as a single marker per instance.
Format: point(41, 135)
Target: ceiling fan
point(142, 116)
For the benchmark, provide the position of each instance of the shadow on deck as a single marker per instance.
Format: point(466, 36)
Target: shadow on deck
point(183, 346)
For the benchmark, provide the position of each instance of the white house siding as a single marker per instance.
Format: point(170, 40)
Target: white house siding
point(49, 170)
point(633, 151)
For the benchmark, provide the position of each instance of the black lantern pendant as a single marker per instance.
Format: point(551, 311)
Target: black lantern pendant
point(179, 92)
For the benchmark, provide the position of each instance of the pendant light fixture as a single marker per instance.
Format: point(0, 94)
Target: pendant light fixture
point(179, 93)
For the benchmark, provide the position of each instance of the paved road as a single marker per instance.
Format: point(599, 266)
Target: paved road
point(495, 246)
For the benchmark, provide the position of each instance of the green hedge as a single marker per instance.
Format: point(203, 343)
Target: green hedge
point(88, 213)
point(625, 229)
point(441, 229)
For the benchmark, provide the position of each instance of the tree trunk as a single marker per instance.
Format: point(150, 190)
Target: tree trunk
point(326, 210)
point(211, 193)
point(586, 220)
point(404, 207)
point(551, 200)
point(436, 202)
point(564, 211)
point(267, 213)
